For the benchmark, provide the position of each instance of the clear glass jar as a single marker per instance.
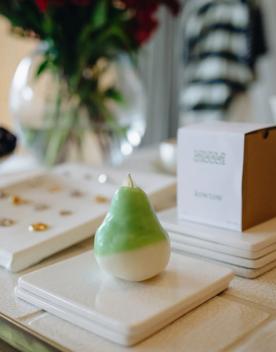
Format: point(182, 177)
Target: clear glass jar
point(55, 127)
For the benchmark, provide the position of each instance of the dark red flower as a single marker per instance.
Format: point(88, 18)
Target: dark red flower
point(142, 5)
point(143, 33)
point(152, 5)
point(81, 2)
point(143, 25)
point(44, 4)
point(143, 21)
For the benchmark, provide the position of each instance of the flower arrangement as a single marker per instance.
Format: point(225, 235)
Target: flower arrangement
point(81, 37)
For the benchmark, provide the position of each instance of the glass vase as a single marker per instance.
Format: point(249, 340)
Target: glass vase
point(55, 127)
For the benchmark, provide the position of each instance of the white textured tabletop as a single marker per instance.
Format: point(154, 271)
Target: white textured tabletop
point(242, 318)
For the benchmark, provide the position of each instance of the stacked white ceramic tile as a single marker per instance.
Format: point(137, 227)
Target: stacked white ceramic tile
point(71, 200)
point(249, 253)
point(125, 312)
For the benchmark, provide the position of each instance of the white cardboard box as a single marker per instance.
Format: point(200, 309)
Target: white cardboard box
point(226, 174)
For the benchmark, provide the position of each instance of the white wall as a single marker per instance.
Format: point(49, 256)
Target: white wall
point(265, 85)
point(159, 68)
point(12, 49)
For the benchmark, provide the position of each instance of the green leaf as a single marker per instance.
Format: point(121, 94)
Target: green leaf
point(100, 14)
point(98, 19)
point(41, 68)
point(114, 94)
point(48, 25)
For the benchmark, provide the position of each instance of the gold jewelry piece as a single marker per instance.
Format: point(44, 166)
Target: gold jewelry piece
point(54, 189)
point(16, 200)
point(65, 212)
point(76, 194)
point(6, 222)
point(101, 199)
point(3, 194)
point(41, 207)
point(38, 227)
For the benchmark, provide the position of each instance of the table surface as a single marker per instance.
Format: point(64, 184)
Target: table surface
point(243, 318)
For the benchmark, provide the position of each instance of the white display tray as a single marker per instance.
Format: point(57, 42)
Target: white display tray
point(70, 187)
point(253, 243)
point(76, 290)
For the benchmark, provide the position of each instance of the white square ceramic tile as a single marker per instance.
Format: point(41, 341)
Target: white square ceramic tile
point(222, 257)
point(238, 270)
point(72, 190)
point(220, 248)
point(16, 308)
point(226, 258)
point(211, 327)
point(253, 240)
point(124, 312)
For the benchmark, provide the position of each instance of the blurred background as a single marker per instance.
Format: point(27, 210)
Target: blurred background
point(156, 67)
point(13, 49)
point(190, 73)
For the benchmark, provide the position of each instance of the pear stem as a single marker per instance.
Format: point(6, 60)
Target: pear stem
point(130, 181)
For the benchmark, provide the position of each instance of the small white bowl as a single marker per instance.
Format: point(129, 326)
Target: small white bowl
point(167, 155)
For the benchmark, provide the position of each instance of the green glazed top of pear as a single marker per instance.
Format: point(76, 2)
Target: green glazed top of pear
point(130, 224)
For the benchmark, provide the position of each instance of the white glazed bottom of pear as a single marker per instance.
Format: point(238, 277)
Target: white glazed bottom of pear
point(139, 264)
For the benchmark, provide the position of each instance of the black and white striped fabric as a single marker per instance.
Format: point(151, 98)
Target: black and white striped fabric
point(222, 42)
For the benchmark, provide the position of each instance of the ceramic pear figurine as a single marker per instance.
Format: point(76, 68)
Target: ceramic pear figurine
point(131, 243)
